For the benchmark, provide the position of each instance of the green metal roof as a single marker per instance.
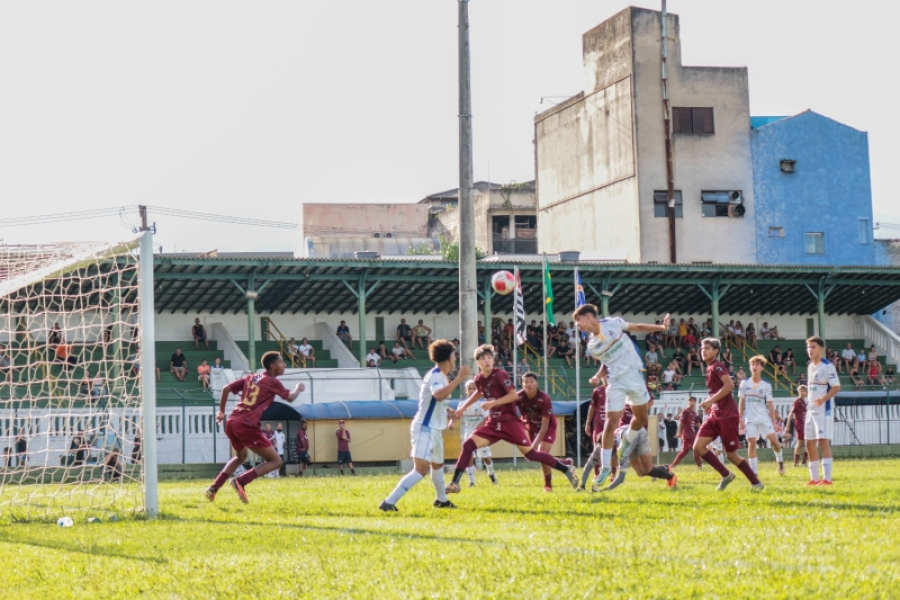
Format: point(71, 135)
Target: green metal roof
point(403, 285)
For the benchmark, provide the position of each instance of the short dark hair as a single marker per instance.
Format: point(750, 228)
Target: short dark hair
point(440, 350)
point(483, 350)
point(269, 359)
point(530, 375)
point(712, 342)
point(585, 309)
point(816, 340)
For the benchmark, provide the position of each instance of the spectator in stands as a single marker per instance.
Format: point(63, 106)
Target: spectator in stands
point(769, 333)
point(386, 354)
point(533, 338)
point(855, 377)
point(532, 328)
point(680, 360)
point(861, 357)
point(705, 330)
point(509, 332)
point(564, 350)
point(872, 356)
point(776, 359)
point(293, 353)
point(78, 449)
point(372, 359)
point(652, 341)
point(847, 358)
point(653, 380)
point(85, 386)
point(671, 334)
point(98, 387)
point(480, 333)
point(307, 353)
point(802, 379)
point(303, 447)
point(751, 334)
point(739, 335)
point(7, 457)
point(21, 446)
point(400, 351)
point(874, 377)
point(671, 432)
point(789, 361)
point(670, 377)
point(54, 338)
point(112, 466)
point(740, 375)
point(682, 332)
point(889, 377)
point(553, 335)
point(728, 359)
point(523, 366)
point(136, 454)
point(199, 333)
point(279, 440)
point(422, 335)
point(65, 355)
point(404, 334)
point(217, 365)
point(5, 365)
point(651, 356)
point(343, 333)
point(694, 361)
point(690, 340)
point(343, 441)
point(203, 374)
point(135, 361)
point(268, 433)
point(178, 365)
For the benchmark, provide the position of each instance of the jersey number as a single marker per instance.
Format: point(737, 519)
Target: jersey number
point(252, 395)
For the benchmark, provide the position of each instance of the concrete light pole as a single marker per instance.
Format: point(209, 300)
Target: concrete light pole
point(468, 298)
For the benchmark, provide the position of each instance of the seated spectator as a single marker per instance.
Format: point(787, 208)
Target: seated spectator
point(651, 356)
point(135, 361)
point(78, 449)
point(769, 333)
point(706, 330)
point(480, 329)
point(671, 334)
point(343, 333)
point(523, 366)
point(203, 374)
point(654, 369)
point(98, 387)
point(553, 335)
point(728, 359)
point(751, 335)
point(217, 365)
point(386, 354)
point(533, 339)
point(861, 357)
point(84, 387)
point(496, 331)
point(739, 334)
point(740, 375)
point(694, 361)
point(5, 365)
point(670, 377)
point(404, 334)
point(680, 360)
point(855, 376)
point(401, 352)
point(422, 335)
point(847, 358)
point(889, 377)
point(112, 466)
point(178, 365)
point(776, 359)
point(293, 353)
point(690, 340)
point(372, 359)
point(801, 381)
point(199, 333)
point(564, 350)
point(65, 355)
point(509, 332)
point(872, 356)
point(789, 361)
point(307, 352)
point(651, 340)
point(54, 338)
point(653, 382)
point(874, 377)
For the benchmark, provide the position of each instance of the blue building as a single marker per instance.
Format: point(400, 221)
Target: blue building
point(813, 191)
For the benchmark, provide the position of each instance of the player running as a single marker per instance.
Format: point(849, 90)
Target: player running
point(641, 461)
point(471, 420)
point(540, 423)
point(258, 391)
point(823, 385)
point(595, 422)
point(757, 410)
point(495, 386)
point(427, 429)
point(796, 422)
point(610, 344)
point(687, 431)
point(723, 420)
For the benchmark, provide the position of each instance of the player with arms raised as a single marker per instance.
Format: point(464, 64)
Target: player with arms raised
point(724, 420)
point(823, 385)
point(258, 391)
point(757, 410)
point(540, 423)
point(427, 429)
point(610, 345)
point(495, 386)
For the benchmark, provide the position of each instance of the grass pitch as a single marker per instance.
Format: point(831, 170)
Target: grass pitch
point(325, 538)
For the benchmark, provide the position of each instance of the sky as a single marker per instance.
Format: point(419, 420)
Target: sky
point(251, 109)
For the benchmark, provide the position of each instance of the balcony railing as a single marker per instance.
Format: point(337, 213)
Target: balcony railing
point(515, 246)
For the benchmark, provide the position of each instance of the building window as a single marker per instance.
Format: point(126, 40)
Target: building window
point(815, 243)
point(863, 231)
point(722, 203)
point(661, 204)
point(698, 121)
point(776, 232)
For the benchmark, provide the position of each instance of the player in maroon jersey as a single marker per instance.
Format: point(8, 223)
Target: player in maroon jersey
point(797, 418)
point(540, 423)
point(257, 391)
point(724, 420)
point(687, 431)
point(503, 422)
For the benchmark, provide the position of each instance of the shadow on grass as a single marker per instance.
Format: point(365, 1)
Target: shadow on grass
point(75, 546)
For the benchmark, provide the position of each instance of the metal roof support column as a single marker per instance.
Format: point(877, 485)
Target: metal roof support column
point(715, 293)
point(820, 293)
point(605, 294)
point(251, 296)
point(361, 292)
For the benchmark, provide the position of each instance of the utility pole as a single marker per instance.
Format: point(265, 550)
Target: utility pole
point(143, 210)
point(667, 119)
point(468, 298)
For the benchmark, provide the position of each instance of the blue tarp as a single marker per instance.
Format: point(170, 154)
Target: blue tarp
point(363, 409)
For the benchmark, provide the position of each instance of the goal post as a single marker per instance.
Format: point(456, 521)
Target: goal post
point(148, 370)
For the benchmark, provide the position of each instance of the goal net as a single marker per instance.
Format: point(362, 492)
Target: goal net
point(71, 376)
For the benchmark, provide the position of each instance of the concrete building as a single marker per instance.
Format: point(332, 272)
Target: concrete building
point(813, 191)
point(340, 230)
point(601, 155)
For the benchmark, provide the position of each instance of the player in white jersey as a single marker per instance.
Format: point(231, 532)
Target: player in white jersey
point(428, 427)
point(472, 418)
point(822, 386)
point(757, 411)
point(610, 344)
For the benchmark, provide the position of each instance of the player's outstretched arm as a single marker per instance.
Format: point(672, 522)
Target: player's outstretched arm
point(647, 328)
point(296, 392)
point(220, 416)
point(444, 392)
point(469, 402)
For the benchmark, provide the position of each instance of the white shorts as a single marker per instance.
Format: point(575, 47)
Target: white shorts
point(481, 452)
point(764, 428)
point(819, 426)
point(428, 444)
point(628, 387)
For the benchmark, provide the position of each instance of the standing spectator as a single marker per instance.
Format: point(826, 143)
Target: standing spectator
point(751, 334)
point(112, 466)
point(54, 338)
point(404, 334)
point(199, 333)
point(178, 365)
point(343, 442)
point(270, 436)
point(385, 354)
point(343, 333)
point(661, 433)
point(21, 445)
point(203, 374)
point(671, 432)
point(372, 359)
point(307, 352)
point(279, 441)
point(847, 357)
point(422, 334)
point(303, 447)
point(98, 387)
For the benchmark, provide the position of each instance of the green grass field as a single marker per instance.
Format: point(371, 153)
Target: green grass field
point(323, 537)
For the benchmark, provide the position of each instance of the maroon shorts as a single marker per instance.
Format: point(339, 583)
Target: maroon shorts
point(511, 431)
point(549, 437)
point(245, 435)
point(727, 429)
point(800, 432)
point(688, 442)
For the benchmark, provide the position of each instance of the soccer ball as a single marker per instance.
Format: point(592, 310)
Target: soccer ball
point(65, 522)
point(503, 282)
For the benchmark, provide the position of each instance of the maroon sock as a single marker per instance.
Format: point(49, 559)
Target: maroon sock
point(247, 477)
point(747, 470)
point(221, 478)
point(713, 461)
point(697, 460)
point(596, 469)
point(465, 455)
point(680, 456)
point(548, 480)
point(545, 459)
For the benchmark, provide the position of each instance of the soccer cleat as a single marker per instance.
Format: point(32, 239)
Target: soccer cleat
point(573, 477)
point(580, 488)
point(812, 482)
point(547, 488)
point(602, 477)
point(625, 448)
point(452, 488)
point(211, 493)
point(672, 484)
point(725, 481)
point(825, 482)
point(493, 479)
point(471, 484)
point(781, 468)
point(567, 461)
point(758, 487)
point(240, 490)
point(388, 507)
point(439, 504)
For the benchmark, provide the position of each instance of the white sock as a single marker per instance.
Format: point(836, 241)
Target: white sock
point(470, 471)
point(826, 467)
point(779, 456)
point(490, 468)
point(753, 465)
point(406, 484)
point(631, 434)
point(814, 470)
point(606, 458)
point(437, 478)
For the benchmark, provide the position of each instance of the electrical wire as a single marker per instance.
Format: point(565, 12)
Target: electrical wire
point(175, 212)
point(122, 210)
point(61, 217)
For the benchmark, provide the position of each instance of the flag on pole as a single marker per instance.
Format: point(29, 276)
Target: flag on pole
point(548, 291)
point(579, 291)
point(518, 311)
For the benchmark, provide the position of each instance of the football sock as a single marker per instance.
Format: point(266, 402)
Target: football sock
point(490, 469)
point(754, 465)
point(221, 478)
point(805, 456)
point(814, 470)
point(470, 471)
point(826, 468)
point(747, 470)
point(247, 477)
point(342, 471)
point(465, 456)
point(457, 475)
point(546, 459)
point(631, 434)
point(779, 456)
point(661, 473)
point(713, 461)
point(352, 472)
point(547, 480)
point(408, 481)
point(437, 479)
point(596, 468)
point(606, 458)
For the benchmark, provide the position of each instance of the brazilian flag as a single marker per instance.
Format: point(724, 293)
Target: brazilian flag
point(548, 294)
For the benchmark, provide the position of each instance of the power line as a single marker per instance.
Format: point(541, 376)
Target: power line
point(186, 214)
point(119, 210)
